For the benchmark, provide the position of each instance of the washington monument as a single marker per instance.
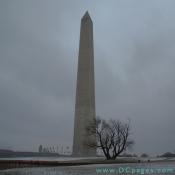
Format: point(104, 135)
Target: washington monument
point(85, 91)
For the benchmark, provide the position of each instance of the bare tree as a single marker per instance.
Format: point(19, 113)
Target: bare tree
point(111, 136)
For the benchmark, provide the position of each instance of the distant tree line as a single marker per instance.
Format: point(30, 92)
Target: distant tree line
point(167, 154)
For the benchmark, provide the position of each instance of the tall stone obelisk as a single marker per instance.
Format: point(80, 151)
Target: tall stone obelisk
point(85, 91)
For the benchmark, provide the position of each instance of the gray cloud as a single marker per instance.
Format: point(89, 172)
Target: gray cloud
point(134, 67)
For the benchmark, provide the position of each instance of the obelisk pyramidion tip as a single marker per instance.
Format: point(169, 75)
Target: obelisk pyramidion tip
point(86, 15)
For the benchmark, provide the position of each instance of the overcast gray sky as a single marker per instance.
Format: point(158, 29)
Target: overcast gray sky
point(134, 45)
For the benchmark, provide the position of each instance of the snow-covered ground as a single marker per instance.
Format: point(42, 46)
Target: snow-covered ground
point(51, 158)
point(164, 168)
point(81, 158)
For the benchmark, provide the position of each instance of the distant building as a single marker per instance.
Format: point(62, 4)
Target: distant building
point(40, 149)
